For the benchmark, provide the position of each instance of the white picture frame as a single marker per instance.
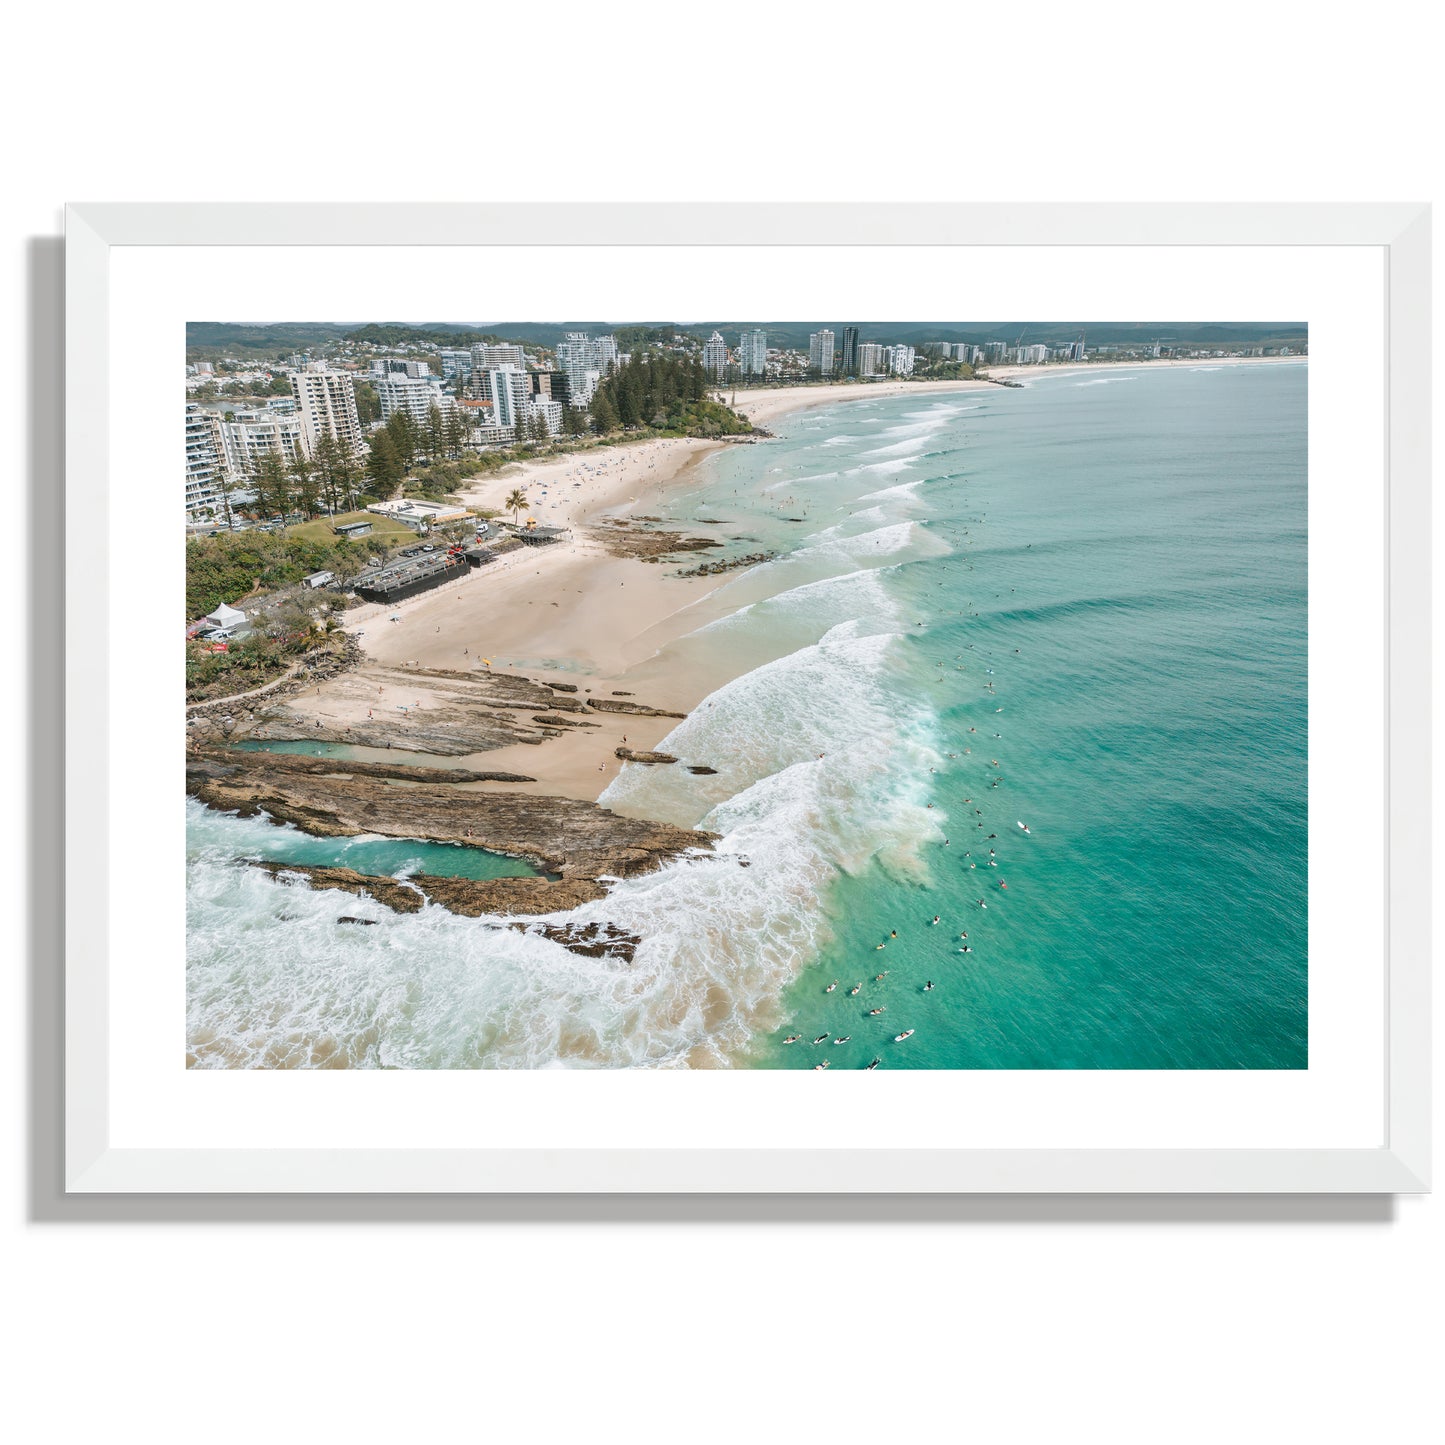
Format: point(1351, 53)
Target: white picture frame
point(94, 1164)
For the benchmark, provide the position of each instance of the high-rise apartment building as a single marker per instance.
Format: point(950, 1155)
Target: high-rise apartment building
point(250, 436)
point(488, 358)
point(510, 391)
point(205, 465)
point(820, 352)
point(415, 395)
point(868, 358)
point(715, 355)
point(753, 353)
point(850, 351)
point(326, 402)
point(455, 363)
point(584, 360)
point(900, 360)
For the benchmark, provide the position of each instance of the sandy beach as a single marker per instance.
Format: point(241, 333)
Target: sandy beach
point(570, 612)
point(573, 612)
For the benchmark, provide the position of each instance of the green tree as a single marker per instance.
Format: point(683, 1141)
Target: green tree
point(435, 432)
point(368, 403)
point(385, 466)
point(604, 413)
point(271, 482)
point(516, 500)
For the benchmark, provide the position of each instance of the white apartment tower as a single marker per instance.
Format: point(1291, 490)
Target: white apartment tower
point(900, 360)
point(511, 393)
point(870, 358)
point(326, 402)
point(753, 353)
point(205, 464)
point(820, 352)
point(413, 394)
point(585, 360)
point(715, 355)
point(252, 435)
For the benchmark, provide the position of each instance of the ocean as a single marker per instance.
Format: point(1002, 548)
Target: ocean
point(1077, 605)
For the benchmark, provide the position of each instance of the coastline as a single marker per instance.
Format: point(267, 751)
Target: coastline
point(565, 626)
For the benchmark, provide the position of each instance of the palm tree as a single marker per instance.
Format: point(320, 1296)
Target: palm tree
point(515, 502)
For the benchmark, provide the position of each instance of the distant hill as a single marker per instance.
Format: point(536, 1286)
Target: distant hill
point(214, 338)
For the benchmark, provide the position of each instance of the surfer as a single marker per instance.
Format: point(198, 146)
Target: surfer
point(831, 986)
point(928, 987)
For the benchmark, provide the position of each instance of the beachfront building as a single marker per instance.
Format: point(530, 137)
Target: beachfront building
point(584, 361)
point(820, 352)
point(550, 411)
point(326, 403)
point(1033, 355)
point(248, 436)
point(715, 355)
point(753, 353)
point(869, 359)
point(510, 390)
point(205, 465)
point(900, 360)
point(850, 351)
point(415, 395)
point(420, 516)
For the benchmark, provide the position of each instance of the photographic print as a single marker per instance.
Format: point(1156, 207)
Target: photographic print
point(830, 694)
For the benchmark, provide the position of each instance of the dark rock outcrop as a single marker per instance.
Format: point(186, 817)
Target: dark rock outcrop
point(636, 709)
point(729, 564)
point(629, 755)
point(577, 840)
point(338, 767)
point(701, 771)
point(591, 940)
point(470, 897)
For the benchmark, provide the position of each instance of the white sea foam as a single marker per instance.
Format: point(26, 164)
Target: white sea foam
point(902, 490)
point(274, 980)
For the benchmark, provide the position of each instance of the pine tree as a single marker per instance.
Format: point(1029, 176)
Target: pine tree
point(384, 466)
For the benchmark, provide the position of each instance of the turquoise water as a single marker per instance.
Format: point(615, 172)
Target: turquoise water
point(348, 752)
point(1117, 562)
point(1124, 602)
point(210, 835)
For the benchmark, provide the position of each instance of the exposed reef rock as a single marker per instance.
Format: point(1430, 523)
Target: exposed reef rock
point(628, 755)
point(729, 564)
point(416, 709)
point(470, 897)
point(579, 841)
point(591, 940)
point(701, 771)
point(637, 709)
point(338, 767)
point(625, 538)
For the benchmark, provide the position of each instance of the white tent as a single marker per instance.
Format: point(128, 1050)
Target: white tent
point(225, 616)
